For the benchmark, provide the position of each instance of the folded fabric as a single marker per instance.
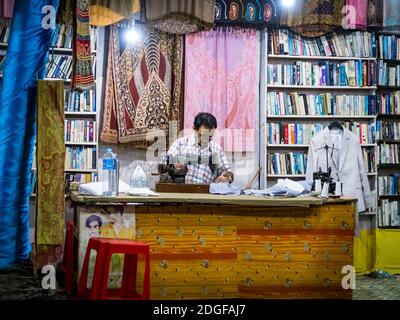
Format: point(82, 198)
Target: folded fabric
point(284, 187)
point(224, 188)
point(142, 192)
point(96, 188)
point(107, 12)
point(180, 16)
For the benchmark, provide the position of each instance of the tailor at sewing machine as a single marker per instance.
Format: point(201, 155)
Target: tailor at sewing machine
point(196, 159)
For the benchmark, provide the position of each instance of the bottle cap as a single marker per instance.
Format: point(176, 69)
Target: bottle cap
point(108, 149)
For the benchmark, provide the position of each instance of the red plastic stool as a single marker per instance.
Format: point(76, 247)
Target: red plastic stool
point(105, 249)
point(67, 268)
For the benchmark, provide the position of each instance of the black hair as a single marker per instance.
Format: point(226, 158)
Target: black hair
point(206, 119)
point(92, 218)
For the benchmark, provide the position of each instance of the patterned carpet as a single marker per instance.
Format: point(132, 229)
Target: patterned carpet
point(19, 283)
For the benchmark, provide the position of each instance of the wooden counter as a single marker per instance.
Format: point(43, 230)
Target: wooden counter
point(199, 198)
point(211, 246)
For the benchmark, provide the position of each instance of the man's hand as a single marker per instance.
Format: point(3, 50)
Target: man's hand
point(225, 177)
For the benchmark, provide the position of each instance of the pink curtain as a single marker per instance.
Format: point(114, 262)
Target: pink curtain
point(6, 8)
point(221, 77)
point(360, 7)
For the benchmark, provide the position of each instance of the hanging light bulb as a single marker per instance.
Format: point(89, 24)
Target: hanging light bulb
point(132, 35)
point(287, 3)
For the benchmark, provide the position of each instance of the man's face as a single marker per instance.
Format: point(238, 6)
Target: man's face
point(204, 135)
point(94, 229)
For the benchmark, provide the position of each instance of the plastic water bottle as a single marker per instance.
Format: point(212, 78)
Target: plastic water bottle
point(110, 174)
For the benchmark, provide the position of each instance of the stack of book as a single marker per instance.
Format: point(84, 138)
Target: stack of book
point(80, 101)
point(389, 185)
point(365, 131)
point(60, 69)
point(386, 130)
point(389, 153)
point(389, 103)
point(353, 73)
point(64, 36)
point(389, 47)
point(292, 133)
point(80, 158)
point(388, 75)
point(5, 28)
point(355, 44)
point(369, 160)
point(293, 103)
point(80, 131)
point(298, 133)
point(389, 213)
point(287, 163)
point(82, 177)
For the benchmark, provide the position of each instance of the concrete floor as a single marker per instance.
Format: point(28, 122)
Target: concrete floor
point(20, 284)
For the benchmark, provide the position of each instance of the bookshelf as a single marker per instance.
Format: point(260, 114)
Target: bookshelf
point(388, 139)
point(80, 109)
point(296, 88)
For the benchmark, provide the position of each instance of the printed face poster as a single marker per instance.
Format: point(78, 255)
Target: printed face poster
point(116, 222)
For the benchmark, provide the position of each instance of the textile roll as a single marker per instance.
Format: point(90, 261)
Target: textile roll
point(247, 13)
point(360, 10)
point(6, 8)
point(144, 85)
point(50, 156)
point(26, 60)
point(221, 77)
point(107, 12)
point(180, 16)
point(313, 17)
point(82, 69)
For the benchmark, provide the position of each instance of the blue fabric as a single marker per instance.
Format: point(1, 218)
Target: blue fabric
point(224, 188)
point(26, 55)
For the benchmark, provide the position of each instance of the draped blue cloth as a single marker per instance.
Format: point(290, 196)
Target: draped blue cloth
point(25, 62)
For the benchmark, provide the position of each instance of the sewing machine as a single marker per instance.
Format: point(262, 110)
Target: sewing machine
point(172, 172)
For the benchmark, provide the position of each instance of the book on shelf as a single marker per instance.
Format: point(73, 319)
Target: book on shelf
point(33, 181)
point(80, 131)
point(292, 133)
point(60, 68)
point(63, 36)
point(293, 103)
point(301, 133)
point(387, 130)
point(355, 44)
point(388, 103)
point(389, 185)
point(388, 75)
point(81, 158)
point(389, 213)
point(389, 153)
point(291, 163)
point(93, 38)
point(5, 29)
point(369, 160)
point(82, 177)
point(80, 101)
point(389, 47)
point(353, 73)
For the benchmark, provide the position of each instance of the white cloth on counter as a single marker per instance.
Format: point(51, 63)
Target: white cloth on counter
point(96, 188)
point(224, 188)
point(284, 187)
point(142, 192)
